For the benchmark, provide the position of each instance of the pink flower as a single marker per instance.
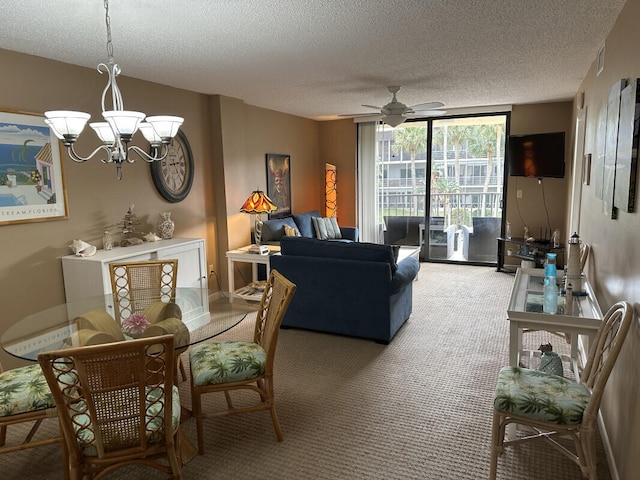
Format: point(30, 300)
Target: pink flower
point(135, 324)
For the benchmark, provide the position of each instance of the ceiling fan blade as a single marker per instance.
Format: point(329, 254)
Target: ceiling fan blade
point(359, 115)
point(427, 106)
point(426, 113)
point(372, 106)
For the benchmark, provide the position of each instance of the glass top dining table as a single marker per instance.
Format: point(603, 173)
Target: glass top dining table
point(205, 315)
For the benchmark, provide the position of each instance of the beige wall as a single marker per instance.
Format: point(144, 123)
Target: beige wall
point(530, 209)
point(614, 266)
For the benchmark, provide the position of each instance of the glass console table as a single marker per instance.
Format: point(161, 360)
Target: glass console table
point(525, 312)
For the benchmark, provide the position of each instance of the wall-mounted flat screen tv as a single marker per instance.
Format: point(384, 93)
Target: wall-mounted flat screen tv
point(538, 155)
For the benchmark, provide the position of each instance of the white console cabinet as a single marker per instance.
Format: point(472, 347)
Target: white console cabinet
point(89, 276)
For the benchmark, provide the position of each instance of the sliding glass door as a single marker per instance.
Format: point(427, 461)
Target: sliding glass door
point(466, 188)
point(446, 173)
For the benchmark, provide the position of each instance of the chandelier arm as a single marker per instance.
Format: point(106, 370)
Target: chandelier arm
point(112, 70)
point(77, 158)
point(150, 158)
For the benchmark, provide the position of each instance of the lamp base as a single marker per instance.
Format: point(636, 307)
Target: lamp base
point(259, 249)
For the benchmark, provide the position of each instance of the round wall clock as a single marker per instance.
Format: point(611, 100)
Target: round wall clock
point(173, 176)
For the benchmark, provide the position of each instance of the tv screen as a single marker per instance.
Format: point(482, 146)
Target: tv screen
point(537, 155)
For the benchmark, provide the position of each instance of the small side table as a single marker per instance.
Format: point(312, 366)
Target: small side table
point(243, 255)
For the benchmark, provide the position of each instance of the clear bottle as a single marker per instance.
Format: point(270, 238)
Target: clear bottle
point(550, 300)
point(508, 231)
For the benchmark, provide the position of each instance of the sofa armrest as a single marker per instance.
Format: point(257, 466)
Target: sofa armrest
point(349, 233)
point(407, 270)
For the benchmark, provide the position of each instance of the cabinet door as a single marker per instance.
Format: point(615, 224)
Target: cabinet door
point(191, 264)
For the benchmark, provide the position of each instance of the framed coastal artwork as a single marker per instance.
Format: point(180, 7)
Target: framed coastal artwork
point(31, 178)
point(279, 183)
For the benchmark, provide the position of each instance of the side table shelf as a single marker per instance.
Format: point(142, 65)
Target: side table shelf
point(251, 291)
point(532, 251)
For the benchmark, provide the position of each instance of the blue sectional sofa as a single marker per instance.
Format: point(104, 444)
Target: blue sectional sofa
point(353, 289)
point(273, 230)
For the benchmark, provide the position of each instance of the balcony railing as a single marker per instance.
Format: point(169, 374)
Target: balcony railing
point(457, 208)
point(464, 226)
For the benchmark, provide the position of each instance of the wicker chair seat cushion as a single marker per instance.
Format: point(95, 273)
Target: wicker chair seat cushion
point(540, 395)
point(24, 389)
point(226, 362)
point(155, 409)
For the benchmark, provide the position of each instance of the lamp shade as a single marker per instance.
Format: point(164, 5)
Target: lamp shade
point(258, 202)
point(66, 123)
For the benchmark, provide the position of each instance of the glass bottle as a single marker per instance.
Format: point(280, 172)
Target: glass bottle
point(550, 300)
point(550, 269)
point(508, 231)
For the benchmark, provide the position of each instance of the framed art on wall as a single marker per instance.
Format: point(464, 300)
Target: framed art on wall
point(31, 175)
point(628, 143)
point(279, 183)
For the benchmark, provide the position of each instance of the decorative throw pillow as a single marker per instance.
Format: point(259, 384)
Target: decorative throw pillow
point(291, 231)
point(326, 228)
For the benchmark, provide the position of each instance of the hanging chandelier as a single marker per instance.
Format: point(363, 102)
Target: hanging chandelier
point(119, 126)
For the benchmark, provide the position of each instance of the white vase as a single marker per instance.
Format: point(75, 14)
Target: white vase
point(107, 242)
point(165, 226)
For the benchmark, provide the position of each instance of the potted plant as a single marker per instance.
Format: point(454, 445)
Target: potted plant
point(35, 178)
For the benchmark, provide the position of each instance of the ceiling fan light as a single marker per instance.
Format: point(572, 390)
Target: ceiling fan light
point(165, 126)
point(66, 124)
point(393, 120)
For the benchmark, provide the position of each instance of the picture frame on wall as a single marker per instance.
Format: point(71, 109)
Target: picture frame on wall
point(32, 187)
point(279, 183)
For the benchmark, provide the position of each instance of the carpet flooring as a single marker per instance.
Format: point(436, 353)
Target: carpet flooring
point(419, 408)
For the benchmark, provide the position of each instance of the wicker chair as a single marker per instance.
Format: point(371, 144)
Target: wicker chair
point(117, 405)
point(147, 288)
point(584, 254)
point(136, 285)
point(25, 398)
point(227, 366)
point(551, 407)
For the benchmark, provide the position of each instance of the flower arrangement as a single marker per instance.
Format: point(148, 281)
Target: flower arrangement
point(135, 325)
point(35, 176)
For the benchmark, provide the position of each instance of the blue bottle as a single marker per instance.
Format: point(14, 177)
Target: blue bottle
point(550, 269)
point(550, 300)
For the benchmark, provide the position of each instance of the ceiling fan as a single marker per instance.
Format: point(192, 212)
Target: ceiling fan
point(394, 113)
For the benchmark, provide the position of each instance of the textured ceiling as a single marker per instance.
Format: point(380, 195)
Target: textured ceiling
point(322, 58)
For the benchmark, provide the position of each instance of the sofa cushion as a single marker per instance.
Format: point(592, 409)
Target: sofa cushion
point(291, 231)
point(360, 251)
point(305, 224)
point(273, 230)
point(326, 228)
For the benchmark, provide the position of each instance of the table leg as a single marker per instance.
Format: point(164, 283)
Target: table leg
point(254, 271)
point(515, 342)
point(574, 346)
point(231, 279)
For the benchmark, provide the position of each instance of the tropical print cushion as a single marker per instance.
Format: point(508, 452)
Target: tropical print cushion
point(85, 433)
point(24, 389)
point(226, 362)
point(540, 395)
